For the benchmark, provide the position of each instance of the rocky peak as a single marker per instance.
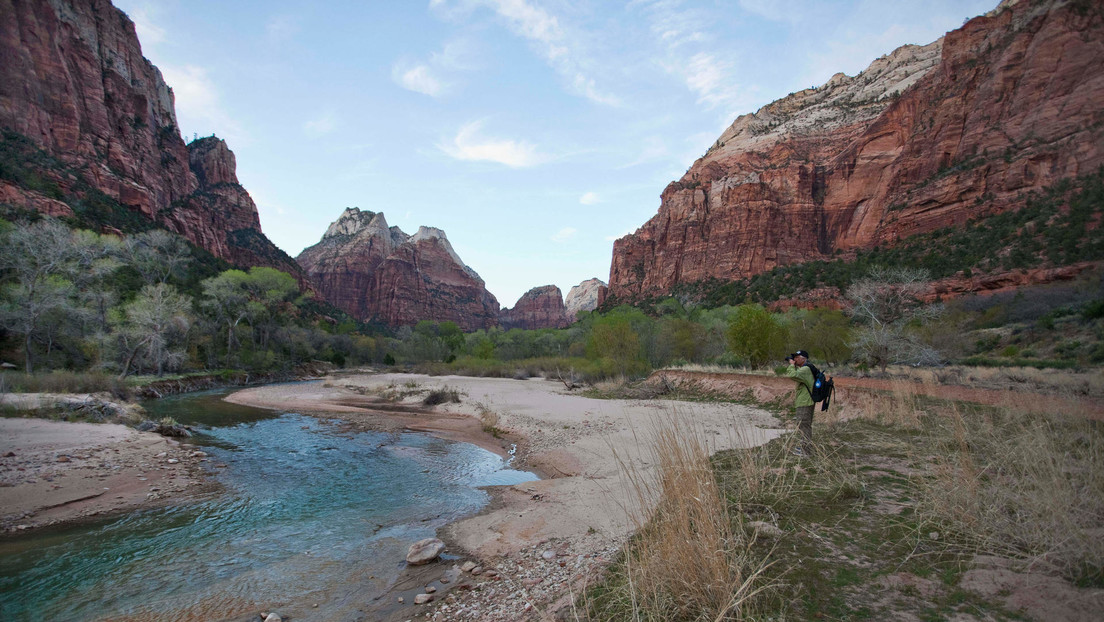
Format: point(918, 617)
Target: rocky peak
point(438, 236)
point(375, 272)
point(841, 101)
point(354, 222)
point(212, 162)
point(585, 296)
point(540, 307)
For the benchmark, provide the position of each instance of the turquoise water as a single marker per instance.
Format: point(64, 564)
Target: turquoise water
point(310, 511)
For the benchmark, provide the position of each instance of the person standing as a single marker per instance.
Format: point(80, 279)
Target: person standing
point(803, 400)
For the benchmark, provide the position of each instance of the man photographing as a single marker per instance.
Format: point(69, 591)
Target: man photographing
point(803, 400)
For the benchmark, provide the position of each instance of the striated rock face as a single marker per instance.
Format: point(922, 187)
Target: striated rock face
point(378, 273)
point(585, 296)
point(540, 307)
point(73, 80)
point(926, 137)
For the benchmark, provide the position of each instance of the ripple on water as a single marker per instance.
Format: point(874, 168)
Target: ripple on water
point(307, 507)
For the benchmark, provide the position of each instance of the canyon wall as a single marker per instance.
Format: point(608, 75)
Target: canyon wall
point(74, 83)
point(926, 137)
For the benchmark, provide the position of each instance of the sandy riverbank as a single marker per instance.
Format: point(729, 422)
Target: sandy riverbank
point(540, 537)
point(57, 472)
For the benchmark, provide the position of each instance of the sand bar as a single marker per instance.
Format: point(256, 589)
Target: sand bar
point(58, 472)
point(578, 512)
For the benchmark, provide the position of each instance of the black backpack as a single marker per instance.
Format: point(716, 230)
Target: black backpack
point(822, 388)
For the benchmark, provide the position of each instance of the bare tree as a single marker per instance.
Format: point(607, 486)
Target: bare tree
point(151, 326)
point(157, 255)
point(46, 263)
point(885, 302)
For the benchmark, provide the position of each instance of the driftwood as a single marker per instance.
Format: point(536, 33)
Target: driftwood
point(568, 382)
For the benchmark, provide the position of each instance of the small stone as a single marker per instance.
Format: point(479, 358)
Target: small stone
point(63, 459)
point(422, 599)
point(468, 566)
point(478, 570)
point(765, 529)
point(430, 589)
point(934, 535)
point(175, 461)
point(402, 600)
point(530, 582)
point(490, 573)
point(424, 551)
point(272, 617)
point(548, 555)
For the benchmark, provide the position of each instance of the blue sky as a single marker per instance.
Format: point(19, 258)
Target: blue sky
point(534, 132)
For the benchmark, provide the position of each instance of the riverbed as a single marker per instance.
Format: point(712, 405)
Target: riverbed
point(309, 511)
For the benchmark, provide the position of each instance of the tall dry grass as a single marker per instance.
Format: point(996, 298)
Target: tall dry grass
point(1023, 483)
point(901, 406)
point(690, 558)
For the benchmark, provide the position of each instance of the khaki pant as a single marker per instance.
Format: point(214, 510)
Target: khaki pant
point(805, 425)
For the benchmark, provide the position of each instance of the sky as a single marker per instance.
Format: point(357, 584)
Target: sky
point(533, 132)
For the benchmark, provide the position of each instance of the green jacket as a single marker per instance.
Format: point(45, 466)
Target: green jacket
point(803, 376)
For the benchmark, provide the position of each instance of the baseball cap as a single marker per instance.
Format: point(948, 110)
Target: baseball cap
point(800, 353)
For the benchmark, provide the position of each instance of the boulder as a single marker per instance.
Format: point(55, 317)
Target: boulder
point(424, 551)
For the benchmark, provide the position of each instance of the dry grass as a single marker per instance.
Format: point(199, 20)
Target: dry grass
point(1026, 484)
point(1063, 382)
point(691, 558)
point(901, 406)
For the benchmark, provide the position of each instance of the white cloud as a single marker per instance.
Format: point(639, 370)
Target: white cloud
point(198, 105)
point(419, 78)
point(149, 33)
point(561, 47)
point(590, 198)
point(470, 146)
point(321, 125)
point(564, 235)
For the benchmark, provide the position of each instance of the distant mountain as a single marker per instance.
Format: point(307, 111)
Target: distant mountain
point(540, 307)
point(586, 296)
point(924, 139)
point(378, 273)
point(90, 131)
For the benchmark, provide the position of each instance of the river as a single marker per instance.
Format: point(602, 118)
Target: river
point(309, 511)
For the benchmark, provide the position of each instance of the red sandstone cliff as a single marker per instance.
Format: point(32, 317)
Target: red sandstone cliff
point(74, 82)
point(378, 273)
point(540, 307)
point(924, 138)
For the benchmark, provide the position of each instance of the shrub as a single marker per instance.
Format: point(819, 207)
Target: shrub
point(440, 396)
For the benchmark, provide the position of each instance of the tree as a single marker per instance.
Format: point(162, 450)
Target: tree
point(756, 334)
point(150, 326)
point(613, 338)
point(227, 299)
point(825, 333)
point(157, 255)
point(886, 302)
point(43, 262)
